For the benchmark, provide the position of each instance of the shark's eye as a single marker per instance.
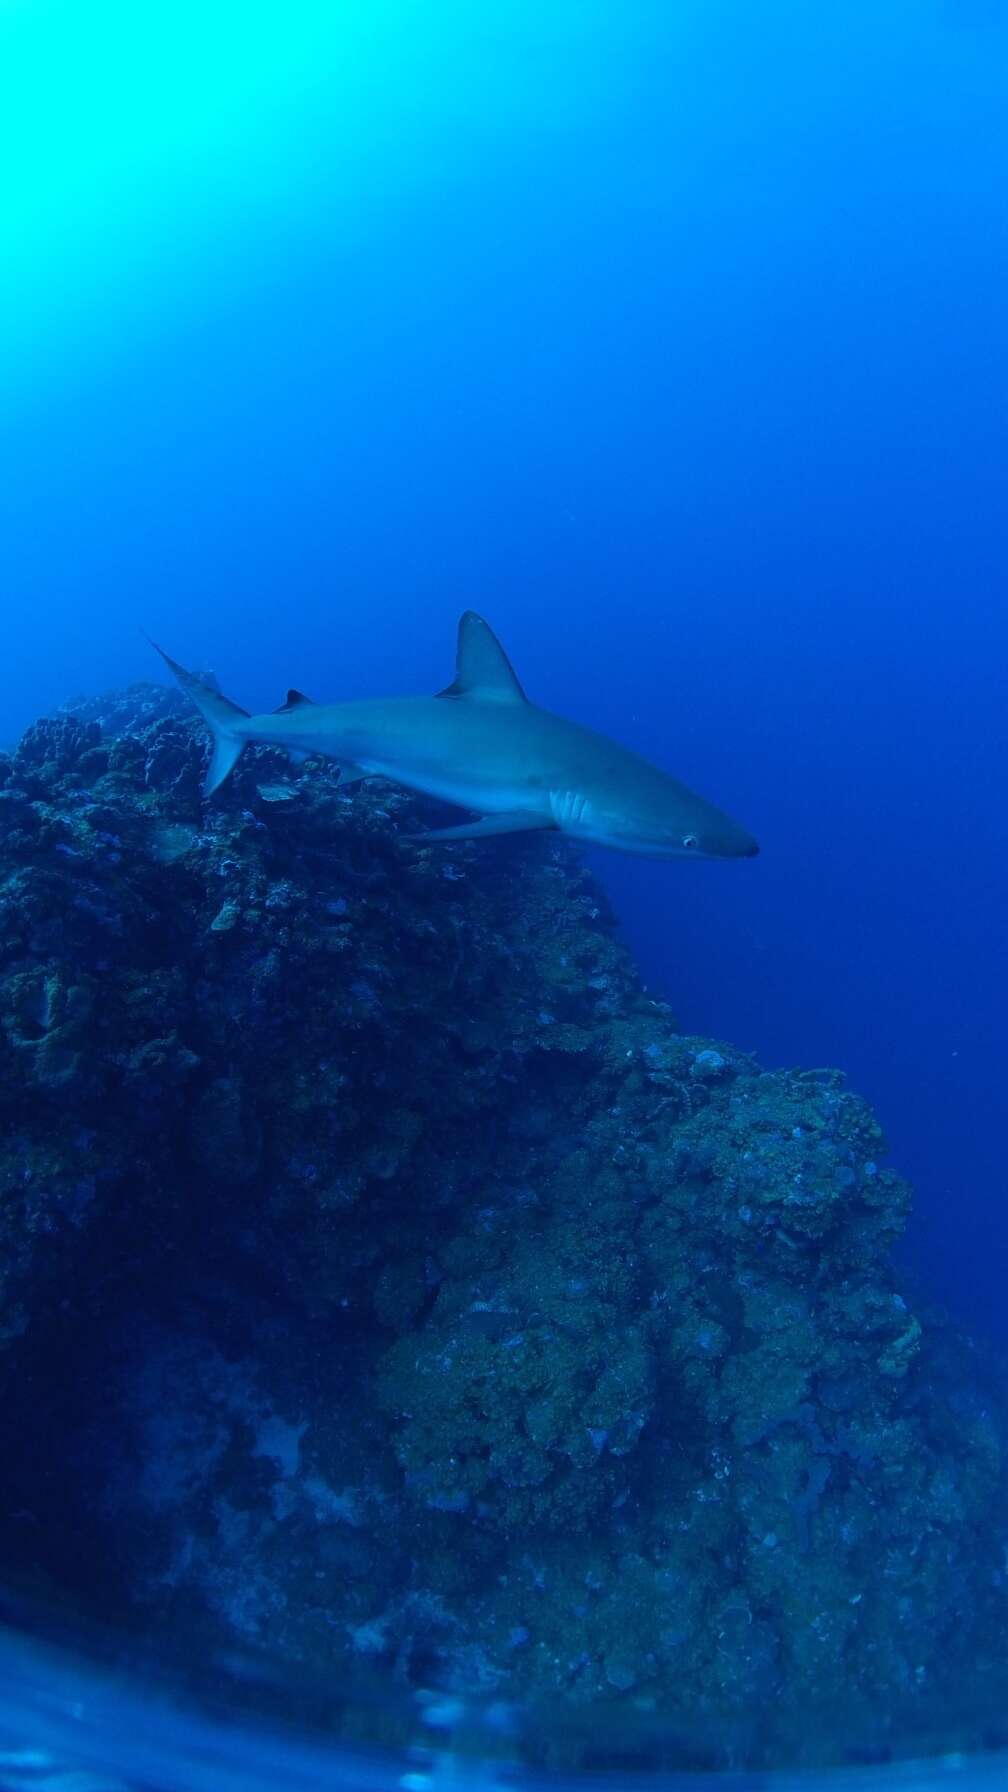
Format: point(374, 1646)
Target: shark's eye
point(690, 840)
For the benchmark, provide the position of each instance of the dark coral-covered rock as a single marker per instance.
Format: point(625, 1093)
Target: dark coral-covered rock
point(50, 748)
point(408, 1294)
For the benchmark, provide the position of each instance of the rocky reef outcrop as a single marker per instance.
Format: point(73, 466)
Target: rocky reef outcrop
point(386, 1283)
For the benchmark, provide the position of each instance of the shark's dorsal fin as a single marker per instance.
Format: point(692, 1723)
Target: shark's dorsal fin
point(294, 701)
point(482, 668)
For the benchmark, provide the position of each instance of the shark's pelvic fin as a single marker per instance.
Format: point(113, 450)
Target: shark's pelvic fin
point(482, 668)
point(520, 821)
point(294, 700)
point(220, 715)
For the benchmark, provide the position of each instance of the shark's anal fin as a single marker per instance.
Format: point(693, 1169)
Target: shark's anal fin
point(482, 668)
point(520, 821)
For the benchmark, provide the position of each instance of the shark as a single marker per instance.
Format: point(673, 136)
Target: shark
point(483, 746)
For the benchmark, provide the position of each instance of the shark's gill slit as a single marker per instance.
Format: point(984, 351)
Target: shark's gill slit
point(569, 808)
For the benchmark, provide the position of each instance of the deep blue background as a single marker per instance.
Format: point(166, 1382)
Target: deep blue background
point(673, 337)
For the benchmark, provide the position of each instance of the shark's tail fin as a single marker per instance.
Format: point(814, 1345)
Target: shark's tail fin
point(220, 715)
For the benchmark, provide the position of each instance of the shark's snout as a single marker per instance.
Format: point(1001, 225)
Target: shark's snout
point(734, 843)
point(725, 841)
point(714, 836)
point(739, 846)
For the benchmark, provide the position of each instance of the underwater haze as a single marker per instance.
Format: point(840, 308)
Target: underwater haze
point(508, 1289)
point(671, 338)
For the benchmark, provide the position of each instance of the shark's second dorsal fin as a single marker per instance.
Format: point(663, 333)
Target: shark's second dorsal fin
point(482, 668)
point(294, 701)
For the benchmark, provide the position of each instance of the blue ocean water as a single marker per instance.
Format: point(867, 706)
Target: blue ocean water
point(670, 337)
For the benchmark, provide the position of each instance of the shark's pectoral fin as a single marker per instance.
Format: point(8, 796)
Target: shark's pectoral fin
point(351, 774)
point(518, 822)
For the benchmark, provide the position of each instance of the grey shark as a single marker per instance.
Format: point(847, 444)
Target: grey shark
point(482, 745)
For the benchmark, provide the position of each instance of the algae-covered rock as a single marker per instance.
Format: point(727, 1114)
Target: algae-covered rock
point(408, 1293)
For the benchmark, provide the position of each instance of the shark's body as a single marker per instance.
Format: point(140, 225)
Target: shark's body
point(483, 745)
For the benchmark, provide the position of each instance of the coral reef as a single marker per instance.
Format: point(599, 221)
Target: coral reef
point(388, 1284)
